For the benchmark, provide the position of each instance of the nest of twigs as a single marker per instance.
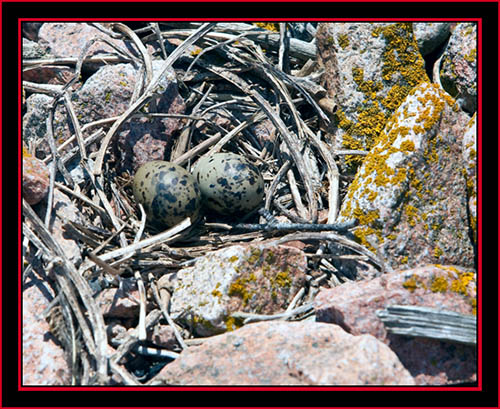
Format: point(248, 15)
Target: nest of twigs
point(258, 81)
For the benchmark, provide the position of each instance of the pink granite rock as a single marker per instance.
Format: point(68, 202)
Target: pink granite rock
point(43, 360)
point(119, 303)
point(164, 336)
point(353, 307)
point(35, 179)
point(145, 139)
point(286, 353)
point(76, 37)
point(63, 211)
point(58, 75)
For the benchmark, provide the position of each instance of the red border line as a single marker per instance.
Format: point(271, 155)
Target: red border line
point(238, 19)
point(279, 388)
point(256, 1)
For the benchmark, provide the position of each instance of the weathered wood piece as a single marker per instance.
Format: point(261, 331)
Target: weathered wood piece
point(416, 321)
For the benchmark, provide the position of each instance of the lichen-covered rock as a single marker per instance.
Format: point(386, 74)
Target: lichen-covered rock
point(287, 353)
point(369, 70)
point(470, 159)
point(459, 66)
point(410, 195)
point(256, 279)
point(430, 36)
point(35, 178)
point(353, 306)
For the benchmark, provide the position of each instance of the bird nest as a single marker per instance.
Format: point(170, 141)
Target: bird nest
point(248, 90)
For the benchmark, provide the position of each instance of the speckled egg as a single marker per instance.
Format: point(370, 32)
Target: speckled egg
point(229, 183)
point(168, 193)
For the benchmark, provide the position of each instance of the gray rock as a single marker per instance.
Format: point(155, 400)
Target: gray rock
point(430, 36)
point(32, 50)
point(459, 66)
point(369, 70)
point(34, 120)
point(256, 279)
point(303, 31)
point(409, 195)
point(287, 353)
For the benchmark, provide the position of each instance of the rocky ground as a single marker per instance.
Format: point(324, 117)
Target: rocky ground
point(365, 134)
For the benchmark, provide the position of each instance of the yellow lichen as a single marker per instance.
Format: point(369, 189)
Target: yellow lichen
point(411, 212)
point(438, 252)
point(216, 293)
point(343, 40)
point(233, 323)
point(471, 57)
point(269, 26)
point(407, 146)
point(240, 288)
point(439, 284)
point(282, 279)
point(400, 58)
point(255, 254)
point(26, 154)
point(412, 283)
point(461, 283)
point(269, 257)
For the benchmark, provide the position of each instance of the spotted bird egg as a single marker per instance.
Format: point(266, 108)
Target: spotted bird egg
point(168, 193)
point(229, 183)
